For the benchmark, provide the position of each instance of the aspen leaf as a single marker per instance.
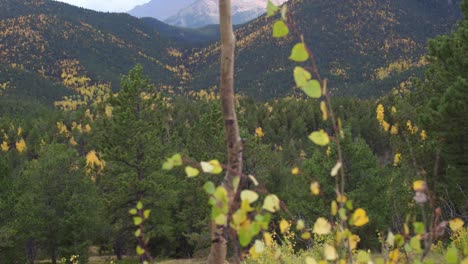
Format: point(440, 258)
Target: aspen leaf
point(139, 206)
point(310, 260)
point(133, 211)
point(323, 109)
point(390, 239)
point(140, 251)
point(419, 228)
point(259, 246)
point(312, 89)
point(271, 203)
point(301, 76)
point(221, 219)
point(455, 224)
point(21, 146)
point(209, 187)
point(168, 165)
point(284, 226)
point(300, 224)
point(353, 241)
point(253, 179)
point(191, 172)
point(206, 167)
point(268, 239)
point(235, 183)
point(419, 185)
point(306, 235)
point(360, 217)
point(315, 188)
point(295, 171)
point(299, 53)
point(320, 138)
point(137, 232)
point(334, 208)
point(5, 146)
point(335, 169)
point(452, 255)
point(217, 168)
point(363, 257)
point(322, 226)
point(415, 244)
point(330, 253)
point(176, 159)
point(248, 195)
point(280, 29)
point(271, 8)
point(146, 214)
point(137, 220)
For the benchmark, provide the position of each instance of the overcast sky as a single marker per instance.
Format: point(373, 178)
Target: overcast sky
point(107, 5)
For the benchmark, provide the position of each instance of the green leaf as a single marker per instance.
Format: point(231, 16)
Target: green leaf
point(139, 205)
point(191, 172)
point(168, 165)
point(177, 159)
point(363, 257)
point(140, 251)
point(415, 244)
point(133, 211)
point(138, 233)
point(419, 228)
point(221, 220)
point(399, 240)
point(312, 89)
point(452, 255)
point(301, 76)
point(280, 29)
point(271, 9)
point(146, 214)
point(320, 138)
point(342, 214)
point(137, 220)
point(299, 53)
point(209, 187)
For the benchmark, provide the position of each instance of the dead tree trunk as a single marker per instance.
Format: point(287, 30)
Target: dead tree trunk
point(219, 234)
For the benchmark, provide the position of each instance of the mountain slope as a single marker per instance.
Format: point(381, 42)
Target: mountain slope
point(48, 37)
point(205, 12)
point(352, 42)
point(160, 9)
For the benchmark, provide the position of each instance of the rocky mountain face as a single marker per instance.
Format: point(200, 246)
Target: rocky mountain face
point(160, 9)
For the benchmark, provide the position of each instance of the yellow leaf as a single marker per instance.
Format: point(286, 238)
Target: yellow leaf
point(330, 253)
point(300, 224)
point(456, 224)
point(295, 171)
point(419, 185)
point(5, 146)
point(306, 235)
point(268, 239)
point(73, 141)
point(315, 188)
point(137, 220)
point(87, 128)
point(146, 214)
point(20, 130)
point(353, 241)
point(259, 132)
point(397, 159)
point(253, 179)
point(335, 169)
point(259, 246)
point(360, 217)
point(21, 146)
point(323, 108)
point(271, 203)
point(206, 167)
point(393, 257)
point(140, 251)
point(280, 29)
point(322, 226)
point(217, 168)
point(320, 138)
point(248, 195)
point(221, 220)
point(191, 172)
point(284, 226)
point(310, 260)
point(334, 208)
point(341, 198)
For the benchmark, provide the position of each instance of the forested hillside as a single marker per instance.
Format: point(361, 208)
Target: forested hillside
point(365, 47)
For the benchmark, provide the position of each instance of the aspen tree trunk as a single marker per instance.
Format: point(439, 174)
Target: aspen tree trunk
point(219, 234)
